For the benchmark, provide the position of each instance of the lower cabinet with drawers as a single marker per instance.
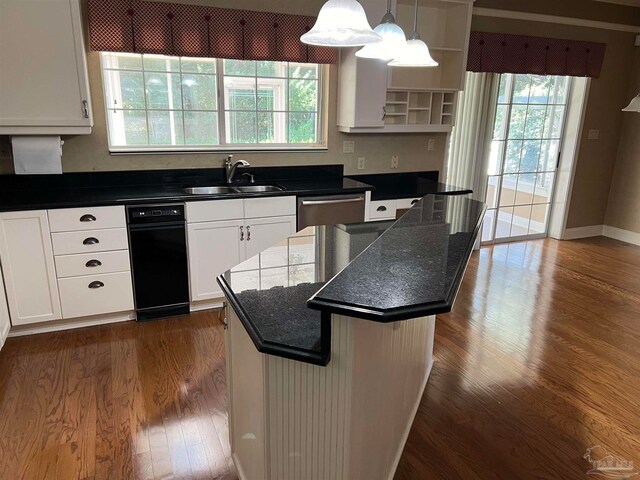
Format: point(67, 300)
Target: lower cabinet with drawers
point(65, 264)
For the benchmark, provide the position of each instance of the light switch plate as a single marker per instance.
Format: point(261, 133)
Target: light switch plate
point(361, 163)
point(348, 146)
point(593, 135)
point(431, 145)
point(395, 161)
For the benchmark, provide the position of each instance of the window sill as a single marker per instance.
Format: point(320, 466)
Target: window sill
point(216, 149)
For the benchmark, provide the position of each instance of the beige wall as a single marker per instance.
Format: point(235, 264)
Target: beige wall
point(623, 209)
point(90, 152)
point(607, 96)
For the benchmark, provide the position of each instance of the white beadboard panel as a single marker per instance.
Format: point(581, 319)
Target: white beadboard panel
point(348, 420)
point(307, 408)
point(390, 366)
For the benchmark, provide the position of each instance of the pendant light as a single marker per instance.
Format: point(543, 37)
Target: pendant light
point(341, 23)
point(416, 53)
point(634, 106)
point(393, 39)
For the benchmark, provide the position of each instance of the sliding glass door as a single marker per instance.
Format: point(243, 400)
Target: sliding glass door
point(524, 156)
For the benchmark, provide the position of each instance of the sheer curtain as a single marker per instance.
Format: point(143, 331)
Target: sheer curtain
point(471, 137)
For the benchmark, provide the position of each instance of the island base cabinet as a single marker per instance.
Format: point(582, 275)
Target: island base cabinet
point(28, 266)
point(346, 421)
point(5, 323)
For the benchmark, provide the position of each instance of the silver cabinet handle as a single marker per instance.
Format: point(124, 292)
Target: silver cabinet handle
point(248, 233)
point(241, 233)
point(332, 201)
point(87, 218)
point(381, 208)
point(90, 241)
point(96, 285)
point(85, 109)
point(222, 315)
point(93, 263)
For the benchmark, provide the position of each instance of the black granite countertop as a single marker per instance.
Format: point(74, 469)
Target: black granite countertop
point(388, 186)
point(139, 187)
point(379, 271)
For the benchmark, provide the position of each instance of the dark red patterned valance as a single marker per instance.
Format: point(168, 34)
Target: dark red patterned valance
point(502, 53)
point(136, 26)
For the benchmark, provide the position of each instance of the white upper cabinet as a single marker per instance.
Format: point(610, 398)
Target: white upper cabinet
point(44, 86)
point(28, 267)
point(5, 323)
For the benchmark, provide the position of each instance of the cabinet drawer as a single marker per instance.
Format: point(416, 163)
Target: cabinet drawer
point(74, 219)
point(90, 241)
point(382, 209)
point(214, 210)
point(404, 203)
point(96, 294)
point(92, 263)
point(269, 207)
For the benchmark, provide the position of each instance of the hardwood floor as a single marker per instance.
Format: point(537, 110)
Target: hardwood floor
point(537, 362)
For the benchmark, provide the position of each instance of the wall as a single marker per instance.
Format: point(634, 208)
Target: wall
point(90, 152)
point(624, 198)
point(607, 96)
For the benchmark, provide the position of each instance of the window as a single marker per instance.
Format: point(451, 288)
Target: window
point(162, 103)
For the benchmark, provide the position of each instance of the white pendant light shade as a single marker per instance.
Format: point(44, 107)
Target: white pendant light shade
point(634, 106)
point(415, 54)
point(341, 23)
point(393, 41)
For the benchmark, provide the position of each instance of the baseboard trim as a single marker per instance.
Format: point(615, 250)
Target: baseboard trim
point(583, 232)
point(405, 435)
point(622, 235)
point(58, 325)
point(206, 304)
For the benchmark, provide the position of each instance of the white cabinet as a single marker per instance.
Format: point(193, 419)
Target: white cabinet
point(28, 266)
point(217, 243)
point(5, 323)
point(44, 87)
point(214, 247)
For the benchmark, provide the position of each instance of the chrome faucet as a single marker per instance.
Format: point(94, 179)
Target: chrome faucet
point(230, 167)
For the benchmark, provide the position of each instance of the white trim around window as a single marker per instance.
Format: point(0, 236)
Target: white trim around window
point(136, 101)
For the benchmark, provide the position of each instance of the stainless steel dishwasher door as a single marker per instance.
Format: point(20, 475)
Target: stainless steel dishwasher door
point(330, 210)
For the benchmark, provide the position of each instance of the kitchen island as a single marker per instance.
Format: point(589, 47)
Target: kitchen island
point(330, 340)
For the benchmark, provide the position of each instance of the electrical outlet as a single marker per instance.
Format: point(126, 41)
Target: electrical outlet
point(431, 145)
point(361, 163)
point(395, 161)
point(593, 135)
point(348, 146)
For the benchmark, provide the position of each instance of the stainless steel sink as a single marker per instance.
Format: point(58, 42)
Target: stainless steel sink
point(231, 190)
point(258, 188)
point(209, 190)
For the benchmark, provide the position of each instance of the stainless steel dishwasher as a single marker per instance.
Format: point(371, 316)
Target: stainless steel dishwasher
point(330, 210)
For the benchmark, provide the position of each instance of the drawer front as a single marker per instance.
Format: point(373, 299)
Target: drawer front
point(90, 241)
point(405, 203)
point(96, 294)
point(382, 209)
point(74, 219)
point(215, 210)
point(269, 207)
point(92, 263)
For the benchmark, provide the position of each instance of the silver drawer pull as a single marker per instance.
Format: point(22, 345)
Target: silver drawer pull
point(248, 233)
point(331, 201)
point(90, 241)
point(381, 208)
point(93, 263)
point(87, 218)
point(96, 284)
point(241, 234)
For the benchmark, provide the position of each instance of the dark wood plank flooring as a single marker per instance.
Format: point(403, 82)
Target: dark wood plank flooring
point(538, 361)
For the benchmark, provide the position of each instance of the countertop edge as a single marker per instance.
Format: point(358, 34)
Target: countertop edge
point(321, 358)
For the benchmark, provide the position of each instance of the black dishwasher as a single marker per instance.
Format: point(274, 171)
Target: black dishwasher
point(158, 244)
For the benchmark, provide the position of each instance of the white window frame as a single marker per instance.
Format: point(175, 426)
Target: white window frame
point(321, 121)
